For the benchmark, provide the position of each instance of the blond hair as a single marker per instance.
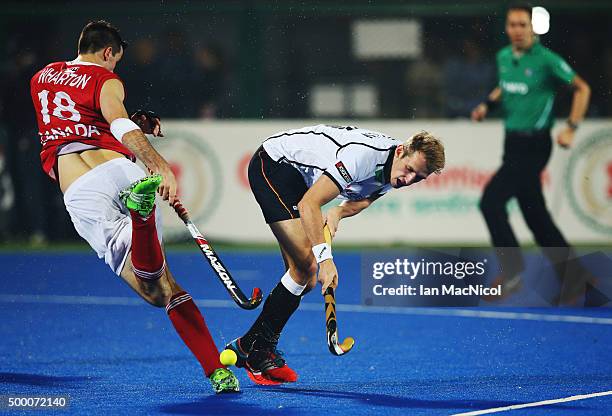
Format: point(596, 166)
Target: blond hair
point(430, 146)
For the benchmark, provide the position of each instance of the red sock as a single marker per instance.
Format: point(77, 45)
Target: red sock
point(147, 257)
point(190, 325)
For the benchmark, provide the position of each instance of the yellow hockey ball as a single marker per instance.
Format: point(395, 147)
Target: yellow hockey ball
point(228, 357)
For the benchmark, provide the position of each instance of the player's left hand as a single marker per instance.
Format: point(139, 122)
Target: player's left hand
point(148, 121)
point(332, 219)
point(565, 138)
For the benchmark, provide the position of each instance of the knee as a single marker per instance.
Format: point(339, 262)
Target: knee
point(158, 295)
point(485, 203)
point(312, 283)
point(158, 300)
point(488, 205)
point(306, 271)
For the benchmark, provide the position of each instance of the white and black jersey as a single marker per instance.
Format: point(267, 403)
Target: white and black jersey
point(357, 160)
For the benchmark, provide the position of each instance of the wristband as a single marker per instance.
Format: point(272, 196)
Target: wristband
point(322, 252)
point(573, 126)
point(491, 105)
point(120, 126)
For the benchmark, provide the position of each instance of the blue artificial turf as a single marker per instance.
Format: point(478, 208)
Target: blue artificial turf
point(127, 359)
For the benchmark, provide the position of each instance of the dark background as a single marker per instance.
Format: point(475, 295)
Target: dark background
point(260, 59)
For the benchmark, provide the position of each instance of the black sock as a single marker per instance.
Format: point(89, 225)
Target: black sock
point(277, 309)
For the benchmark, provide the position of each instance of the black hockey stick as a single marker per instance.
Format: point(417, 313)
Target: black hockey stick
point(217, 265)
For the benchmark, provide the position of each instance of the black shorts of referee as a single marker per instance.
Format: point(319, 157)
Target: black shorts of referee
point(278, 187)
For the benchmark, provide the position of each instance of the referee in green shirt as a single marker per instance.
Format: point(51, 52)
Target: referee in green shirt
point(529, 75)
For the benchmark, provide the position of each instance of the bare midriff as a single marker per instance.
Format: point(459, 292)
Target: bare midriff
point(73, 165)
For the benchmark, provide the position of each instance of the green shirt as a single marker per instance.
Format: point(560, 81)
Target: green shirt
point(528, 85)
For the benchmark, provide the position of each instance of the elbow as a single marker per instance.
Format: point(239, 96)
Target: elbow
point(307, 205)
point(302, 205)
point(584, 89)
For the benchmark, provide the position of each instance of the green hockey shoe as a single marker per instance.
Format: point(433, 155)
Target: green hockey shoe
point(224, 381)
point(140, 195)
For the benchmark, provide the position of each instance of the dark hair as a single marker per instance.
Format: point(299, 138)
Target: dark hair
point(98, 35)
point(526, 7)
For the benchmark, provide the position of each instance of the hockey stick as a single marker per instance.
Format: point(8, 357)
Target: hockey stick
point(217, 265)
point(330, 316)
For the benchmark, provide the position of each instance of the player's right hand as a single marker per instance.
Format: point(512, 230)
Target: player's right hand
point(168, 188)
point(148, 121)
point(480, 112)
point(328, 275)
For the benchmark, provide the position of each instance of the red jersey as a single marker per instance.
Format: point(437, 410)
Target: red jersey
point(66, 98)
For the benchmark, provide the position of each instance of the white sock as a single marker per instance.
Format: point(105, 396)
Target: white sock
point(291, 285)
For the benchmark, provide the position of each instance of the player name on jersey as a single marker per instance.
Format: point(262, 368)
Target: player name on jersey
point(67, 77)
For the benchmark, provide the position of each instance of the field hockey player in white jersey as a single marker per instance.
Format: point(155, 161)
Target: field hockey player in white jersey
point(292, 175)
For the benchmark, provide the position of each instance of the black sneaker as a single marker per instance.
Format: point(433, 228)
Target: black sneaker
point(240, 353)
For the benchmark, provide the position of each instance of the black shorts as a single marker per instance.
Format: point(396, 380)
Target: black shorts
point(278, 187)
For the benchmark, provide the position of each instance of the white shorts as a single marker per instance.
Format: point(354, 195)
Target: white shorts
point(99, 216)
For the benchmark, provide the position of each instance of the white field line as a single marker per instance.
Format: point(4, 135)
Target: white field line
point(535, 404)
point(310, 306)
